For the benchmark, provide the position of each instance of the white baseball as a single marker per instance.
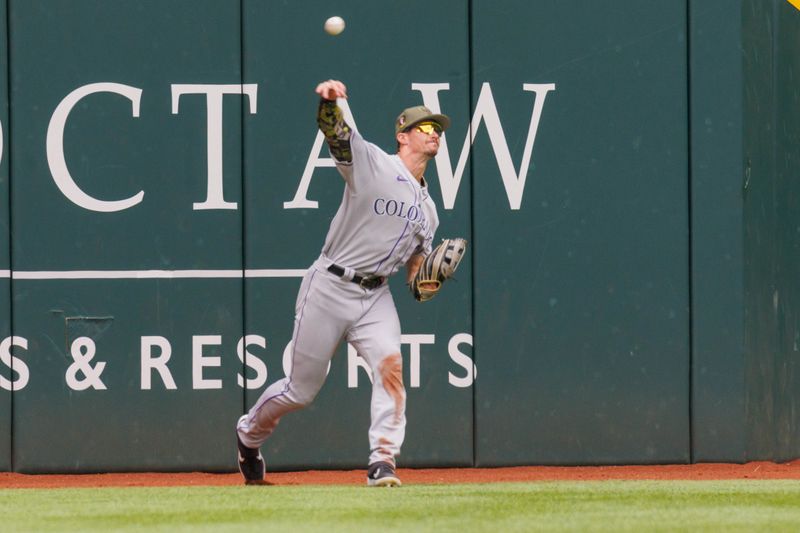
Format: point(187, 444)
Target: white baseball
point(334, 25)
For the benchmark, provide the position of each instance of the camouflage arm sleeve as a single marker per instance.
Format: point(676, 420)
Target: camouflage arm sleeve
point(336, 131)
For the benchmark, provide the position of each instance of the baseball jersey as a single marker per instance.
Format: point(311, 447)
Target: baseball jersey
point(385, 216)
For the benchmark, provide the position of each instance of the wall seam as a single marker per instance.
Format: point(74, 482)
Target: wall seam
point(774, 451)
point(471, 69)
point(690, 227)
point(7, 149)
point(243, 218)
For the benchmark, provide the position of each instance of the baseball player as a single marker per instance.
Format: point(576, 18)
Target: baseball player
point(386, 220)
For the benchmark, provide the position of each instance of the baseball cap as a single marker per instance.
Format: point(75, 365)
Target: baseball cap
point(417, 114)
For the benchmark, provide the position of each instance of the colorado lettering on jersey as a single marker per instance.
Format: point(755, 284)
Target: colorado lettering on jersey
point(393, 208)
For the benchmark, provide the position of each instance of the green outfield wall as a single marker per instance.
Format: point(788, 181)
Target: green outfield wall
point(625, 172)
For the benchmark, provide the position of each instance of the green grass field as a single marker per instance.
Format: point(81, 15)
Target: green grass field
point(552, 506)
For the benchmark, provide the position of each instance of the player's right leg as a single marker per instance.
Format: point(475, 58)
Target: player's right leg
point(320, 322)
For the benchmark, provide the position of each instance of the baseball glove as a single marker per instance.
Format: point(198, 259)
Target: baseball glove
point(437, 267)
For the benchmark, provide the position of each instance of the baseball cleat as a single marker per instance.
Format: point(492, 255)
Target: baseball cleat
point(251, 464)
point(382, 474)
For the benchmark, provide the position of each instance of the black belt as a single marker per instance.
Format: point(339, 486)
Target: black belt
point(365, 282)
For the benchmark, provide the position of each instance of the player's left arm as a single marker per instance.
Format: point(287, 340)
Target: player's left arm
point(412, 267)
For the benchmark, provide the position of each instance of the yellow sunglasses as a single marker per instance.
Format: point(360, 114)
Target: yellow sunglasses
point(429, 127)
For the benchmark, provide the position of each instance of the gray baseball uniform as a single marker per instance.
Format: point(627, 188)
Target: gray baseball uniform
point(385, 217)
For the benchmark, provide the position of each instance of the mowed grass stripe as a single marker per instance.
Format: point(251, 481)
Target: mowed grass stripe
point(742, 505)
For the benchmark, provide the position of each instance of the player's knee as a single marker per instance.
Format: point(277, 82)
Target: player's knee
point(303, 397)
point(391, 373)
point(304, 400)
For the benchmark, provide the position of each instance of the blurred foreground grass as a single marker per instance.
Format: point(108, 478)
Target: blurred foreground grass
point(741, 505)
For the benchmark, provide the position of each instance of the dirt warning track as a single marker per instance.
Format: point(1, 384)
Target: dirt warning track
point(703, 471)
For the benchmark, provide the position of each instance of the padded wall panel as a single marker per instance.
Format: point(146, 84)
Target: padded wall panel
point(120, 244)
point(583, 321)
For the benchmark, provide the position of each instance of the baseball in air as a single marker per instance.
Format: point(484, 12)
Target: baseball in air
point(334, 25)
